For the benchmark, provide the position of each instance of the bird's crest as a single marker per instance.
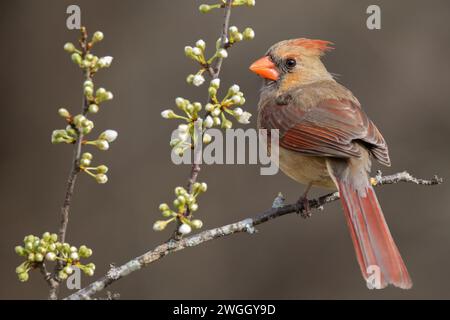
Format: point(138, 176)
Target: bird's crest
point(319, 47)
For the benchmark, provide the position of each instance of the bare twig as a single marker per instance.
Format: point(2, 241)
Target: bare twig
point(74, 171)
point(247, 225)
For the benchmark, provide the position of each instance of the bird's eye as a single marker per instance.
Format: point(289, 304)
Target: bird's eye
point(290, 63)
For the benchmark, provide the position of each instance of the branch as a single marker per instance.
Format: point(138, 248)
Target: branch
point(74, 171)
point(247, 225)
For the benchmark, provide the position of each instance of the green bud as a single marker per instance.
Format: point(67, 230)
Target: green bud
point(212, 91)
point(21, 269)
point(88, 91)
point(97, 37)
point(102, 169)
point(38, 257)
point(248, 34)
point(20, 250)
point(87, 156)
point(203, 187)
point(85, 162)
point(62, 275)
point(31, 257)
point(54, 237)
point(197, 224)
point(159, 225)
point(163, 207)
point(101, 178)
point(23, 276)
point(64, 113)
point(69, 47)
point(193, 207)
point(93, 108)
point(204, 8)
point(167, 213)
point(76, 58)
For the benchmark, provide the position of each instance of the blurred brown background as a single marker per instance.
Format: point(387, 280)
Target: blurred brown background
point(399, 73)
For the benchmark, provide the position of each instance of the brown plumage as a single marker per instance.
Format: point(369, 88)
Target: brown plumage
point(327, 140)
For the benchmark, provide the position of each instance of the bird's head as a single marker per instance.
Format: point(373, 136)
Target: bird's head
point(293, 62)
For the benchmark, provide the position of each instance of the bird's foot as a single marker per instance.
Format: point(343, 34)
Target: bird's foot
point(303, 207)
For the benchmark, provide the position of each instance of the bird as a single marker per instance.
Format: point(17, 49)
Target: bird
point(326, 140)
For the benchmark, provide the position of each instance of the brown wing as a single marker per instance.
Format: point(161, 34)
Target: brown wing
point(330, 128)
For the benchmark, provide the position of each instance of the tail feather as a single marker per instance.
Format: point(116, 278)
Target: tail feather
point(371, 237)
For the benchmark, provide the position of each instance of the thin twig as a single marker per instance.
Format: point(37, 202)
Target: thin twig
point(214, 72)
point(74, 171)
point(246, 225)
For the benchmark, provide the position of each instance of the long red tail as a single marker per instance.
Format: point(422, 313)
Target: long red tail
point(375, 248)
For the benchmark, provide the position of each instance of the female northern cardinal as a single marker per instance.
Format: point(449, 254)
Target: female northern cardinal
point(327, 140)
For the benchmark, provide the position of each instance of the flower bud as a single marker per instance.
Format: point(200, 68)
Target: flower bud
point(203, 187)
point(50, 256)
point(38, 257)
point(85, 162)
point(190, 78)
point(204, 8)
point(188, 50)
point(185, 229)
point(168, 114)
point(20, 250)
point(197, 224)
point(69, 47)
point(248, 34)
point(234, 89)
point(197, 106)
point(76, 58)
point(87, 155)
point(209, 122)
point(97, 37)
point(198, 80)
point(193, 207)
point(207, 138)
point(101, 178)
point(215, 83)
point(63, 113)
point(222, 53)
point(200, 44)
point(102, 169)
point(196, 51)
point(217, 121)
point(23, 276)
point(209, 107)
point(216, 112)
point(74, 256)
point(105, 62)
point(159, 225)
point(109, 135)
point(163, 207)
point(251, 3)
point(93, 108)
point(238, 112)
point(102, 145)
point(233, 30)
point(62, 275)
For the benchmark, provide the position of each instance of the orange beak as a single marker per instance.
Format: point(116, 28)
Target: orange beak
point(265, 68)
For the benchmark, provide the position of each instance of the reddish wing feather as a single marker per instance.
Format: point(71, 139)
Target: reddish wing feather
point(328, 129)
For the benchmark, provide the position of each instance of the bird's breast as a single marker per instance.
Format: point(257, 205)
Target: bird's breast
point(305, 169)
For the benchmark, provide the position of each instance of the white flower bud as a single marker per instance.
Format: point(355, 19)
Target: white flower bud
point(215, 83)
point(209, 122)
point(74, 256)
point(50, 256)
point(238, 37)
point(222, 53)
point(234, 89)
point(198, 80)
point(233, 29)
point(209, 107)
point(236, 99)
point(167, 114)
point(238, 112)
point(217, 121)
point(102, 145)
point(181, 102)
point(196, 51)
point(109, 135)
point(251, 3)
point(200, 44)
point(206, 138)
point(105, 62)
point(216, 112)
point(203, 187)
point(244, 118)
point(185, 229)
point(68, 270)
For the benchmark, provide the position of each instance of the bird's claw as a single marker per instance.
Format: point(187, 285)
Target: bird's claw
point(303, 208)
